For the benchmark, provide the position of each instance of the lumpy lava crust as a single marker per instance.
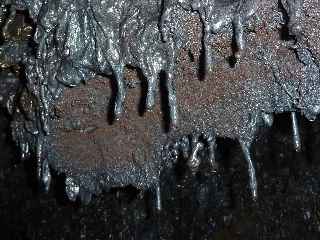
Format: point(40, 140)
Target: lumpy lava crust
point(79, 79)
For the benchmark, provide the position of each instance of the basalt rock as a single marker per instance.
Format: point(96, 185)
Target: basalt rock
point(113, 92)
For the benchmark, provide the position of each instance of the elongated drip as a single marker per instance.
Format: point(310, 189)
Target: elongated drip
point(43, 169)
point(211, 141)
point(25, 151)
point(44, 111)
point(215, 20)
point(172, 98)
point(39, 149)
point(121, 92)
point(72, 189)
point(185, 147)
point(209, 58)
point(46, 176)
point(251, 170)
point(158, 197)
point(245, 10)
point(194, 160)
point(295, 131)
point(268, 119)
point(3, 12)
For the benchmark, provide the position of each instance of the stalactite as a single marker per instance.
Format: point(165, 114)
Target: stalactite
point(77, 42)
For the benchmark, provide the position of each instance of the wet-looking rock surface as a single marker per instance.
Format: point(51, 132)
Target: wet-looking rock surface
point(168, 97)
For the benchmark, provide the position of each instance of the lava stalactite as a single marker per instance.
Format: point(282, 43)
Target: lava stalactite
point(79, 59)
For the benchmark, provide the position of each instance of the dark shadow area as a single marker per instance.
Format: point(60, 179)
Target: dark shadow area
point(284, 30)
point(202, 65)
point(207, 205)
point(165, 108)
point(111, 105)
point(144, 89)
point(232, 60)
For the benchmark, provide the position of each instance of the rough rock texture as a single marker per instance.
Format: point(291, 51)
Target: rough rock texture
point(205, 206)
point(218, 69)
point(228, 82)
